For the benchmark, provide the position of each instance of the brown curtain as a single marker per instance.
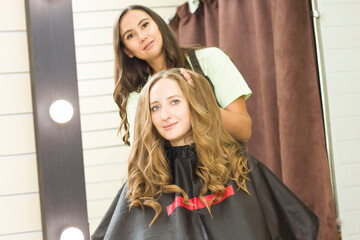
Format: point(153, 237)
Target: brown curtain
point(271, 43)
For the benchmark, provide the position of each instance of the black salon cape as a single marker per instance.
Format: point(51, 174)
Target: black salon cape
point(271, 211)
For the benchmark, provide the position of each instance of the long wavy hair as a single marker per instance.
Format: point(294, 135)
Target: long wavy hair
point(220, 157)
point(131, 74)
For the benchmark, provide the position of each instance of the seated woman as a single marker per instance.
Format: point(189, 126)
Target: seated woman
point(189, 179)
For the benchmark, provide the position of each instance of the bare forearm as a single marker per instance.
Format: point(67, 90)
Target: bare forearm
point(237, 124)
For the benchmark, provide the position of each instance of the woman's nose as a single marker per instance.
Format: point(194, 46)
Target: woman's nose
point(142, 36)
point(165, 114)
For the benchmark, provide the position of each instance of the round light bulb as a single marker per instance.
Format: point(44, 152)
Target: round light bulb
point(61, 111)
point(72, 233)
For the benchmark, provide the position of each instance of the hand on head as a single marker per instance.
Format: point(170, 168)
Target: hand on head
point(187, 77)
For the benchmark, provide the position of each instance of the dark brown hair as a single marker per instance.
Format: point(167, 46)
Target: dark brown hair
point(131, 73)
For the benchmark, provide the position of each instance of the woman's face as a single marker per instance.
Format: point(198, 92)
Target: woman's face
point(170, 112)
point(141, 36)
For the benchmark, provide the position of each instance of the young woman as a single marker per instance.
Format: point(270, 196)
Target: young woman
point(145, 45)
point(189, 179)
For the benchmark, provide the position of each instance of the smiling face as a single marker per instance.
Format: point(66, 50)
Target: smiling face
point(170, 112)
point(141, 36)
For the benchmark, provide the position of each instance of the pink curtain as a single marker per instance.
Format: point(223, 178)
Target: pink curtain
point(271, 43)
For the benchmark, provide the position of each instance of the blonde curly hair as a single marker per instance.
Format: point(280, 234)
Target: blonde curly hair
point(220, 157)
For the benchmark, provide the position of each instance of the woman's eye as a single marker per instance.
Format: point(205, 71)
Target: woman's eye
point(145, 25)
point(130, 36)
point(154, 108)
point(175, 102)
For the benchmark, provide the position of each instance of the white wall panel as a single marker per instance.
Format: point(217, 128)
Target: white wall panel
point(24, 236)
point(342, 1)
point(351, 198)
point(347, 129)
point(98, 121)
point(12, 15)
point(104, 19)
point(20, 214)
point(349, 176)
point(97, 208)
point(106, 155)
point(344, 82)
point(18, 175)
point(344, 60)
point(95, 70)
point(340, 13)
point(15, 93)
point(353, 237)
point(94, 221)
point(340, 34)
point(17, 135)
point(106, 172)
point(94, 37)
point(96, 87)
point(100, 139)
point(95, 5)
point(100, 190)
point(347, 152)
point(350, 36)
point(19, 199)
point(345, 105)
point(351, 223)
point(97, 104)
point(95, 53)
point(14, 53)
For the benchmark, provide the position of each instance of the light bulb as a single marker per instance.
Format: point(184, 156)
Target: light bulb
point(61, 111)
point(72, 233)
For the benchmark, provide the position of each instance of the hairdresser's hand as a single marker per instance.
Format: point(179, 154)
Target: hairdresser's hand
point(187, 77)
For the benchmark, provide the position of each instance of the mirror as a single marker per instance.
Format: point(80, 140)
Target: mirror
point(105, 155)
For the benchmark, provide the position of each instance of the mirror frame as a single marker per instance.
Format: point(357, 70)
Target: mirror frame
point(58, 146)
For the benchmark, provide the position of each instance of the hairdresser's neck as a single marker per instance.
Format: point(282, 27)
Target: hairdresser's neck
point(158, 64)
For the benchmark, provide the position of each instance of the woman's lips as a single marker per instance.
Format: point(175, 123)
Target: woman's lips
point(149, 45)
point(169, 126)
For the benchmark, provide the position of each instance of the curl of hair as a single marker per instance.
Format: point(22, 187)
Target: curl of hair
point(220, 157)
point(131, 74)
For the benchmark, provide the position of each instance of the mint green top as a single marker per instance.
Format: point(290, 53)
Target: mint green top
point(227, 80)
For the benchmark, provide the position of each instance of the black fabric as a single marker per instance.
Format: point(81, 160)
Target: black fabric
point(195, 63)
point(271, 211)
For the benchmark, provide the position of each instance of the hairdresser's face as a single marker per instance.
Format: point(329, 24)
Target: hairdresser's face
point(170, 112)
point(141, 36)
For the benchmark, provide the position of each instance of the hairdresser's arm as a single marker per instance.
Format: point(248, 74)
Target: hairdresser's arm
point(236, 120)
point(235, 116)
